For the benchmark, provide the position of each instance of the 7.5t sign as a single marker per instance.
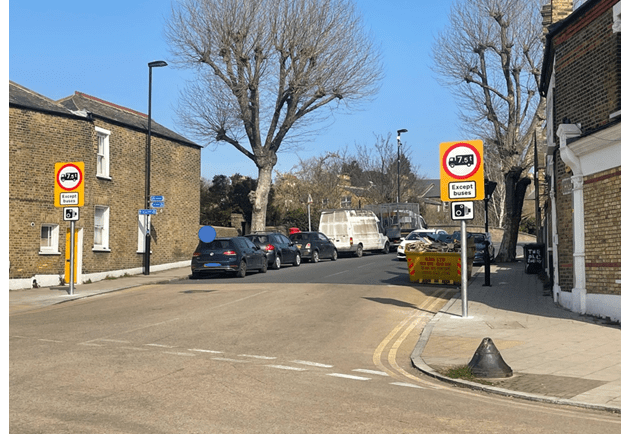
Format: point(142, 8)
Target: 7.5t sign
point(69, 184)
point(461, 171)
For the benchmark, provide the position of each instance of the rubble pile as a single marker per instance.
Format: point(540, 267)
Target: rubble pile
point(426, 245)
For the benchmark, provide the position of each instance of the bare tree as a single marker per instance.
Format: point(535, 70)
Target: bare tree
point(267, 68)
point(491, 55)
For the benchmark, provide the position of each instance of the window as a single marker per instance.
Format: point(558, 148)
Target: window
point(101, 228)
point(102, 153)
point(49, 239)
point(346, 201)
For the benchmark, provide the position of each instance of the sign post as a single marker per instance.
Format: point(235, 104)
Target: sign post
point(462, 179)
point(69, 190)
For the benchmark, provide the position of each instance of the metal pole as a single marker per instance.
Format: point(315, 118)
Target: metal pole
point(72, 259)
point(309, 217)
point(147, 186)
point(536, 187)
point(464, 261)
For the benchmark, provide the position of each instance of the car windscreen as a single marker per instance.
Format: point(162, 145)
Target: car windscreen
point(299, 237)
point(260, 239)
point(214, 245)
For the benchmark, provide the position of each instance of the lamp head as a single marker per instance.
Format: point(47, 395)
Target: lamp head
point(157, 64)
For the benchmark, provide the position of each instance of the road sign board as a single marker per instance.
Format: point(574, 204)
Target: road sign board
point(158, 198)
point(147, 211)
point(71, 213)
point(461, 170)
point(69, 184)
point(462, 210)
point(157, 204)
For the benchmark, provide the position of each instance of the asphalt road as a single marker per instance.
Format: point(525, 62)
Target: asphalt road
point(319, 348)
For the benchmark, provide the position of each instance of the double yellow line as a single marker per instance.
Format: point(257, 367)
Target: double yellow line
point(423, 314)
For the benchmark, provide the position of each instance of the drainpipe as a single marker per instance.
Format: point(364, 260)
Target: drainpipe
point(566, 132)
point(554, 231)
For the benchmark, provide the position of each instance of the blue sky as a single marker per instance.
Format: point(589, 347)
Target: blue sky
point(102, 49)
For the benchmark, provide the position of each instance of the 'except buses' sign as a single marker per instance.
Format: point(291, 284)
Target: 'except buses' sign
point(69, 184)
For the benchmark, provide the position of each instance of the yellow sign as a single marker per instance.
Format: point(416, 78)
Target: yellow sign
point(69, 184)
point(461, 171)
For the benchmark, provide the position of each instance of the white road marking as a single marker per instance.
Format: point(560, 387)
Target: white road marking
point(159, 346)
point(226, 359)
point(111, 340)
point(368, 371)
point(349, 377)
point(257, 357)
point(50, 340)
point(179, 353)
point(288, 368)
point(336, 274)
point(318, 365)
point(206, 351)
point(415, 386)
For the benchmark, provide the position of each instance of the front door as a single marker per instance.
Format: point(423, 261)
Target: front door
point(77, 255)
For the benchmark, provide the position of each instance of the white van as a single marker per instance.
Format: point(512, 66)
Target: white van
point(353, 231)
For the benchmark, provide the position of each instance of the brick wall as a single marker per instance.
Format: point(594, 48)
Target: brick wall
point(602, 228)
point(39, 140)
point(588, 70)
point(564, 209)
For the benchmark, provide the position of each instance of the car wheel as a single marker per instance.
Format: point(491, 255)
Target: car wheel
point(359, 251)
point(386, 248)
point(277, 262)
point(264, 267)
point(195, 275)
point(315, 256)
point(242, 269)
point(298, 260)
point(334, 255)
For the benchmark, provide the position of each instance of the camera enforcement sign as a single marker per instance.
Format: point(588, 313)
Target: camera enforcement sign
point(461, 171)
point(69, 184)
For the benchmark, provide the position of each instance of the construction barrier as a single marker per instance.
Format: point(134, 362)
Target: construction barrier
point(432, 267)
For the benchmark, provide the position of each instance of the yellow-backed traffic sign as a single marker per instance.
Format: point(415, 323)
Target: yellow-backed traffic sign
point(461, 171)
point(69, 179)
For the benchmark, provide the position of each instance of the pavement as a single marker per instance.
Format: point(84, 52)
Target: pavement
point(556, 356)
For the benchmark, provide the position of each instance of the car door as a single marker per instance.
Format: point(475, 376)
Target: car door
point(288, 252)
point(252, 254)
point(326, 247)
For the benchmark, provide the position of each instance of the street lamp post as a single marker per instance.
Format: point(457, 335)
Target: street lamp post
point(398, 133)
point(147, 182)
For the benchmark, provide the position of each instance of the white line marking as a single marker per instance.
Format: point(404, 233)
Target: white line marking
point(159, 345)
point(111, 340)
point(50, 340)
point(288, 368)
point(349, 377)
point(415, 386)
point(206, 351)
point(257, 357)
point(91, 345)
point(367, 371)
point(318, 365)
point(179, 354)
point(336, 274)
point(134, 348)
point(225, 359)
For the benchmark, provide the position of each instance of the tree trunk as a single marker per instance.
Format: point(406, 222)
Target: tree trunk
point(260, 198)
point(515, 189)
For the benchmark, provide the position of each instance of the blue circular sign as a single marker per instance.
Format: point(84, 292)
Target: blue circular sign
point(207, 234)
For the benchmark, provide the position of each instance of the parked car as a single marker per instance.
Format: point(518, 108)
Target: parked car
point(278, 248)
point(236, 255)
point(480, 239)
point(314, 246)
point(431, 234)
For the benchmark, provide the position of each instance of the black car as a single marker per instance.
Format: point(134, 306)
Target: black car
point(314, 246)
point(279, 249)
point(235, 255)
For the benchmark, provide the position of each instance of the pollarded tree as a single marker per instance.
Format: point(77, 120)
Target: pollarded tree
point(491, 55)
point(267, 69)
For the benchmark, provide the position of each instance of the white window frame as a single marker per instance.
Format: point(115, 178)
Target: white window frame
point(346, 202)
point(104, 228)
point(53, 237)
point(102, 152)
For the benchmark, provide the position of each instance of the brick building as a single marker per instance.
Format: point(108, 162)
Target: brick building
point(582, 83)
point(111, 142)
